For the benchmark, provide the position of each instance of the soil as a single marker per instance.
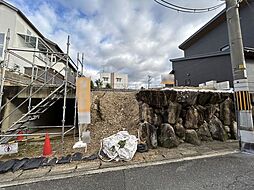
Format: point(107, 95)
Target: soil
point(111, 112)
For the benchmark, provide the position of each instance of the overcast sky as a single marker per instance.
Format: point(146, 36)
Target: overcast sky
point(137, 37)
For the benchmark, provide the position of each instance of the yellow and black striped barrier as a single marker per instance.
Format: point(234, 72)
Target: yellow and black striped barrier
point(243, 100)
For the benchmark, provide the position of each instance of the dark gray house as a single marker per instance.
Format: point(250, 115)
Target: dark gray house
point(207, 54)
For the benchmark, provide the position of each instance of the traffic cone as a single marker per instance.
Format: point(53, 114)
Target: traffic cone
point(47, 150)
point(20, 136)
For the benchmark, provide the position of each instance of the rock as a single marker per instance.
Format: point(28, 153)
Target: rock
point(191, 120)
point(174, 110)
point(143, 132)
point(153, 142)
point(217, 130)
point(146, 113)
point(210, 111)
point(225, 111)
point(204, 133)
point(179, 129)
point(172, 96)
point(187, 98)
point(203, 98)
point(157, 119)
point(215, 98)
point(148, 134)
point(167, 137)
point(227, 129)
point(164, 115)
point(234, 130)
point(201, 114)
point(192, 137)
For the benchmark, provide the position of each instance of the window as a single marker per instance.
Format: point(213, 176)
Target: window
point(1, 44)
point(105, 79)
point(118, 80)
point(29, 41)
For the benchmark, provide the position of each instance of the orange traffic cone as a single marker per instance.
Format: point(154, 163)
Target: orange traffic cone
point(47, 150)
point(20, 136)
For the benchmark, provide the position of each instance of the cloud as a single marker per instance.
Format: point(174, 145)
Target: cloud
point(135, 37)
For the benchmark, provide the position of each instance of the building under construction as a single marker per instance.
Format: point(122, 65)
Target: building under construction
point(37, 79)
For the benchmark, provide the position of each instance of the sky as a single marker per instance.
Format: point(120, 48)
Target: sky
point(137, 37)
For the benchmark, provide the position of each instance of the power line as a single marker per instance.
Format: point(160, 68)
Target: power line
point(191, 9)
point(187, 9)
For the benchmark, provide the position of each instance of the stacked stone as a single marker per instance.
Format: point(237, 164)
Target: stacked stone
point(168, 118)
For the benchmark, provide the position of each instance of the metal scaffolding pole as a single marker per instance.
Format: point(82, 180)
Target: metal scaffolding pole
point(3, 67)
point(31, 86)
point(241, 84)
point(65, 91)
point(82, 63)
point(75, 106)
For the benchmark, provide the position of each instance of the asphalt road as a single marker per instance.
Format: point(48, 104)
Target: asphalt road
point(234, 172)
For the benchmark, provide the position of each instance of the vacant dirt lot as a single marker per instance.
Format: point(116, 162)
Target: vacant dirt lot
point(111, 112)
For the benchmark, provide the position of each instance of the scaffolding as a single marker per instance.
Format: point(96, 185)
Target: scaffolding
point(47, 69)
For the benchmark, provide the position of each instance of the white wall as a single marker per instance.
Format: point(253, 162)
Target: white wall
point(7, 20)
point(113, 80)
point(124, 81)
point(105, 75)
point(10, 19)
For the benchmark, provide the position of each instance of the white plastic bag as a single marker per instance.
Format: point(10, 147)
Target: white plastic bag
point(120, 146)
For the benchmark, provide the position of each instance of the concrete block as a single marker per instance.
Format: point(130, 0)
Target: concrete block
point(85, 166)
point(9, 176)
point(173, 155)
point(189, 152)
point(112, 164)
point(222, 85)
point(35, 173)
point(201, 85)
point(62, 169)
point(210, 83)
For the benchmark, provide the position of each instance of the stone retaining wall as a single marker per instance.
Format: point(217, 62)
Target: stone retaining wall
point(170, 117)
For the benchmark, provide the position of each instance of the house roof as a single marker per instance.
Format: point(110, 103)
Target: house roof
point(219, 18)
point(56, 47)
point(52, 44)
point(248, 53)
point(209, 26)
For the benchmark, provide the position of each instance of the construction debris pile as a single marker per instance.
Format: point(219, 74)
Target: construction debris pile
point(170, 117)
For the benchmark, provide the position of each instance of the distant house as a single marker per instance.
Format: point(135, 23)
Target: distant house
point(207, 53)
point(25, 36)
point(115, 80)
point(168, 79)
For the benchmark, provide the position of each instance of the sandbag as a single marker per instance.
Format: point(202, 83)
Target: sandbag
point(7, 166)
point(44, 162)
point(64, 159)
point(51, 162)
point(33, 163)
point(18, 164)
point(91, 157)
point(142, 148)
point(77, 156)
point(121, 146)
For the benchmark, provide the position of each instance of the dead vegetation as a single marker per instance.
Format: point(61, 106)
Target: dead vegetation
point(110, 111)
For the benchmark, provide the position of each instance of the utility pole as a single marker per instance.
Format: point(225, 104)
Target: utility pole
point(149, 81)
point(241, 85)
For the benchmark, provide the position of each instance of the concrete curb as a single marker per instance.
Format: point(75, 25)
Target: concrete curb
point(75, 170)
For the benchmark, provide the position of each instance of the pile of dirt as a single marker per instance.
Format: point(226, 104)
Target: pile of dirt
point(112, 112)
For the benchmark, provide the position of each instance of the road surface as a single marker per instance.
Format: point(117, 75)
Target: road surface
point(233, 172)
